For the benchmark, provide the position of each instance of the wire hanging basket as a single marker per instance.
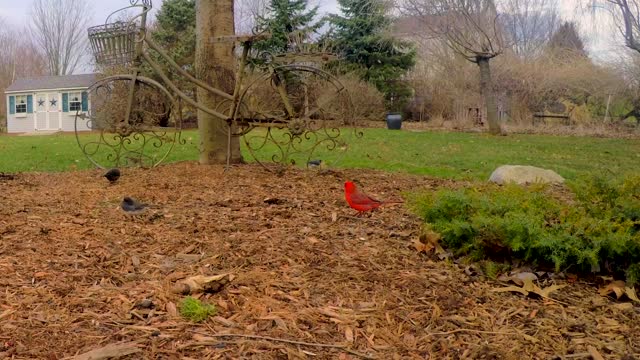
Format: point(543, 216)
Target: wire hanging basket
point(114, 43)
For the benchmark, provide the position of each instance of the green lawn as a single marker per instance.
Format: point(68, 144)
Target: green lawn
point(443, 154)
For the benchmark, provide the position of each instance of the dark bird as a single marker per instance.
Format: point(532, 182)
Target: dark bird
point(112, 175)
point(133, 207)
point(314, 163)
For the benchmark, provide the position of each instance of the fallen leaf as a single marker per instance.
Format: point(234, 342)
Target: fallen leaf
point(171, 309)
point(313, 240)
point(278, 320)
point(616, 287)
point(530, 338)
point(421, 247)
point(200, 283)
point(348, 334)
point(523, 277)
point(512, 289)
point(631, 293)
point(626, 306)
point(334, 216)
point(548, 290)
point(225, 322)
point(529, 287)
point(111, 351)
point(595, 355)
point(6, 313)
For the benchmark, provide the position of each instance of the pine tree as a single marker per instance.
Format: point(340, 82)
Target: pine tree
point(175, 30)
point(567, 40)
point(361, 36)
point(284, 19)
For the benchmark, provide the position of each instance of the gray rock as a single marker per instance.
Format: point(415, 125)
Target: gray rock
point(522, 174)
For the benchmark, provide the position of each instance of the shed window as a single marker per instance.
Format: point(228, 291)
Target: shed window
point(21, 104)
point(75, 101)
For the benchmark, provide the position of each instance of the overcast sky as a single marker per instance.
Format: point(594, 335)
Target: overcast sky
point(602, 42)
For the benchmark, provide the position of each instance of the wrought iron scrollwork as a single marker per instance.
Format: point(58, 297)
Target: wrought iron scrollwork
point(146, 3)
point(298, 109)
point(138, 134)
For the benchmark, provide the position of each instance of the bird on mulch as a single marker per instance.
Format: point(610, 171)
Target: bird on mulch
point(360, 201)
point(133, 207)
point(112, 175)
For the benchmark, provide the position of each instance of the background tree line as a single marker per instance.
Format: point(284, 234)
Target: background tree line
point(432, 59)
point(435, 59)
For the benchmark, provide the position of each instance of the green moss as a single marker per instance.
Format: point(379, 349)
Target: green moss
point(194, 310)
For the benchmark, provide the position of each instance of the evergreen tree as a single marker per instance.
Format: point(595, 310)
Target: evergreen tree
point(361, 36)
point(284, 19)
point(175, 30)
point(567, 40)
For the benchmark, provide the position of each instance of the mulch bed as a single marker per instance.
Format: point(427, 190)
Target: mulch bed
point(76, 272)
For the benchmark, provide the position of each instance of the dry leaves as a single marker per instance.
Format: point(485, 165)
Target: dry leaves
point(428, 241)
point(111, 351)
point(205, 284)
point(528, 286)
point(343, 280)
point(619, 288)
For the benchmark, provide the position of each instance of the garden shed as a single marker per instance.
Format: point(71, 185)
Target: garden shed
point(47, 103)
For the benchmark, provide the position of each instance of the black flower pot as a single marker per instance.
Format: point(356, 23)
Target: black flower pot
point(394, 121)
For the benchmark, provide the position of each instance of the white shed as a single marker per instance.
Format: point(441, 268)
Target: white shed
point(47, 103)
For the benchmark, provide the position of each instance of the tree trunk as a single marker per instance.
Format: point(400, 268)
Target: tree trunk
point(215, 64)
point(486, 88)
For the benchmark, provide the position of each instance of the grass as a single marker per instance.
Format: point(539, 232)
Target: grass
point(442, 154)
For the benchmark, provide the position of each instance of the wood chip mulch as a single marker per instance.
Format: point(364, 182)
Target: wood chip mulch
point(310, 280)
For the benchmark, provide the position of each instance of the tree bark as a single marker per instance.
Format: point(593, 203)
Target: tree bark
point(215, 64)
point(486, 88)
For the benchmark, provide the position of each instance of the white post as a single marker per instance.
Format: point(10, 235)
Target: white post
point(606, 112)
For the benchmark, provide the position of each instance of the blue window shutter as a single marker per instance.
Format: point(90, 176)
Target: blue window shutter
point(12, 104)
point(65, 102)
point(29, 104)
point(85, 101)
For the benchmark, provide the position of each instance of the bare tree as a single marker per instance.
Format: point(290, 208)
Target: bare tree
point(58, 28)
point(626, 15)
point(246, 13)
point(529, 25)
point(18, 58)
point(472, 30)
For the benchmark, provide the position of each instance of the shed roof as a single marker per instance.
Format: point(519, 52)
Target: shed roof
point(52, 82)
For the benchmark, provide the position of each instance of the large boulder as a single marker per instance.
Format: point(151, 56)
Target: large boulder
point(523, 174)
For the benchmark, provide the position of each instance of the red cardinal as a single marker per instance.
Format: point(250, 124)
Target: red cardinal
point(361, 201)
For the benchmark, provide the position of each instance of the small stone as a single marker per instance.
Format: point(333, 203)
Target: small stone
point(145, 304)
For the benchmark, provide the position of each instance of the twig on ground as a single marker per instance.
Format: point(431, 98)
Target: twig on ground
point(473, 331)
point(572, 356)
point(268, 338)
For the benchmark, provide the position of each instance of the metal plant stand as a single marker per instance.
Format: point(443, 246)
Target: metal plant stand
point(282, 110)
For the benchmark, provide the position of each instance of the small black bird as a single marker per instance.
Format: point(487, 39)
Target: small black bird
point(133, 207)
point(112, 175)
point(314, 163)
